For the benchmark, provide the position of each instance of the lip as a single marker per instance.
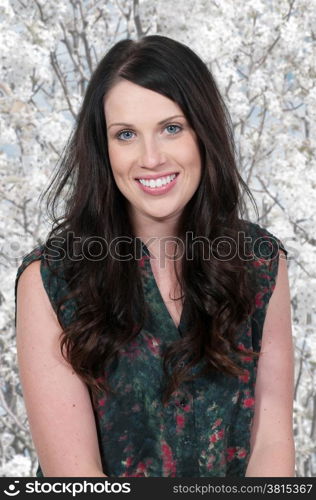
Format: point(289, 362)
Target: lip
point(157, 176)
point(158, 190)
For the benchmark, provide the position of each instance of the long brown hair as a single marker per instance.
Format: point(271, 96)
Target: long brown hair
point(217, 291)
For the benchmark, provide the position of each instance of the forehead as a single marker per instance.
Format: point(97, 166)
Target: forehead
point(126, 101)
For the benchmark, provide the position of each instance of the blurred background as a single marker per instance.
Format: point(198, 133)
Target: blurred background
point(262, 54)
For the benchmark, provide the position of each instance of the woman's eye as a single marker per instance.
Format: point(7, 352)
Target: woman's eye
point(121, 135)
point(174, 127)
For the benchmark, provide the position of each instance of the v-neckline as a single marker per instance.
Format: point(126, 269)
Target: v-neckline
point(181, 326)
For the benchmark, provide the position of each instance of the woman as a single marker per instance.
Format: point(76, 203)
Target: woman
point(153, 327)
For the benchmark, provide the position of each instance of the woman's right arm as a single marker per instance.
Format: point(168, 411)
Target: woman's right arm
point(57, 402)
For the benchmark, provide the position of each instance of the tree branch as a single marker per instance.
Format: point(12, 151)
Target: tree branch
point(56, 68)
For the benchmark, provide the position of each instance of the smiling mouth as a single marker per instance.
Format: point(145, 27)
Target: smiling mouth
point(158, 181)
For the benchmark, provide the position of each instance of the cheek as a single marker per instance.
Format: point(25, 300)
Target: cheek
point(191, 157)
point(117, 161)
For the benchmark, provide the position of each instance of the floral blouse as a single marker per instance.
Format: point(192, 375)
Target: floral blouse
point(204, 430)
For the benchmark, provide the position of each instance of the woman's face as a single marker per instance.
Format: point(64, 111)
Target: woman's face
point(151, 142)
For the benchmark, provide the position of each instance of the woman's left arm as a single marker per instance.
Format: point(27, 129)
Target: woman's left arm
point(272, 440)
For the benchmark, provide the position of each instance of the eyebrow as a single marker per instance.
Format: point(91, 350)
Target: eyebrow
point(159, 123)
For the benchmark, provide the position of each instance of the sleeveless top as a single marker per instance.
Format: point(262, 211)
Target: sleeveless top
point(204, 430)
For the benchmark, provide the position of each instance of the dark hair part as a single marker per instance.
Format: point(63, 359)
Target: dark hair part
point(217, 292)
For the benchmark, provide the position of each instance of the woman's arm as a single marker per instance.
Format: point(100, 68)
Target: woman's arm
point(272, 441)
point(57, 402)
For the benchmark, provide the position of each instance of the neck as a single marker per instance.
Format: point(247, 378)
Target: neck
point(159, 235)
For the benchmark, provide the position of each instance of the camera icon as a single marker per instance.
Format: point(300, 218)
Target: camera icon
point(12, 490)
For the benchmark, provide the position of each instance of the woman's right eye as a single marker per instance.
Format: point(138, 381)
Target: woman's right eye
point(120, 134)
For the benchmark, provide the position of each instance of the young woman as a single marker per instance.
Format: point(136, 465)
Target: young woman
point(154, 325)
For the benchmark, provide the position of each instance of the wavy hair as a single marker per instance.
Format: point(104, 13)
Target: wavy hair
point(218, 292)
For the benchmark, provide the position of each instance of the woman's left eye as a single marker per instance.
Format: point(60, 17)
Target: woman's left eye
point(119, 135)
point(174, 126)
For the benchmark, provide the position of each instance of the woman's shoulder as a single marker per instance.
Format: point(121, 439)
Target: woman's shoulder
point(48, 261)
point(50, 269)
point(263, 261)
point(34, 255)
point(264, 244)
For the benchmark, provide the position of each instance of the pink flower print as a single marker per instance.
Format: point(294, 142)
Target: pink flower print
point(141, 262)
point(265, 276)
point(258, 300)
point(217, 423)
point(140, 471)
point(247, 359)
point(186, 407)
point(100, 404)
point(241, 347)
point(217, 436)
point(230, 453)
point(221, 434)
point(245, 377)
point(258, 262)
point(213, 438)
point(180, 422)
point(153, 346)
point(128, 462)
point(248, 403)
point(241, 453)
point(168, 463)
point(210, 464)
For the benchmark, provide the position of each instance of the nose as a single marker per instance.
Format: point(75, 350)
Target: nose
point(151, 154)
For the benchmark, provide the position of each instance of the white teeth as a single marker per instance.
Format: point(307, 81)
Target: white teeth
point(162, 181)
